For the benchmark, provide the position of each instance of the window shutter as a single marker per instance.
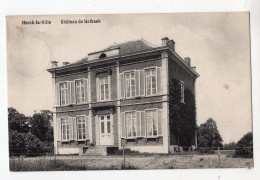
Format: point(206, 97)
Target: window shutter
point(159, 84)
point(143, 124)
point(58, 129)
point(123, 130)
point(87, 127)
point(122, 84)
point(86, 89)
point(137, 83)
point(69, 93)
point(109, 87)
point(142, 83)
point(97, 89)
point(70, 128)
point(75, 128)
point(138, 121)
point(58, 94)
point(73, 93)
point(159, 122)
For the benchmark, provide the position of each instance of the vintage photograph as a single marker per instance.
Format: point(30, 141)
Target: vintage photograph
point(129, 91)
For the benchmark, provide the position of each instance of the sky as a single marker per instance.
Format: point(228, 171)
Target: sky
point(217, 43)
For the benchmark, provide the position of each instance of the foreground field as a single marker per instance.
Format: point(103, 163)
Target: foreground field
point(61, 163)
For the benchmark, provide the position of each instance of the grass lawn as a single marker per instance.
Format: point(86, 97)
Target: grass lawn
point(66, 163)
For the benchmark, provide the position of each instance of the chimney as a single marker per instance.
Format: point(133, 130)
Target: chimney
point(164, 41)
point(187, 61)
point(65, 63)
point(171, 44)
point(54, 64)
point(194, 68)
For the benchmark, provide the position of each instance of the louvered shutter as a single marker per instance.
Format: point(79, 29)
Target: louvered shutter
point(70, 128)
point(142, 83)
point(138, 123)
point(159, 122)
point(87, 127)
point(58, 129)
point(143, 124)
point(122, 85)
point(69, 93)
point(86, 89)
point(137, 83)
point(123, 130)
point(97, 89)
point(75, 128)
point(57, 88)
point(159, 84)
point(73, 93)
point(109, 87)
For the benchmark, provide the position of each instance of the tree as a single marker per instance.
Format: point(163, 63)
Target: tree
point(41, 125)
point(182, 115)
point(17, 122)
point(209, 135)
point(230, 146)
point(245, 146)
point(30, 136)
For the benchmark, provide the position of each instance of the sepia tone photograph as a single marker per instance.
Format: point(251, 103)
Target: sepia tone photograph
point(129, 91)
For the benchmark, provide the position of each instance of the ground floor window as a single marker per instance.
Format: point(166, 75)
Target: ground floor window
point(81, 127)
point(65, 128)
point(131, 124)
point(152, 122)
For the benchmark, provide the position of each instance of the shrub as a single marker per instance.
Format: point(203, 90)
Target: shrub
point(244, 146)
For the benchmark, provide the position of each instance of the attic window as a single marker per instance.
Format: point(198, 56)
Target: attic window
point(103, 55)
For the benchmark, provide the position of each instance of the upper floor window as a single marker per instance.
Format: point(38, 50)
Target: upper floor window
point(65, 128)
point(150, 75)
point(64, 93)
point(152, 122)
point(131, 124)
point(130, 84)
point(182, 91)
point(81, 123)
point(80, 91)
point(104, 89)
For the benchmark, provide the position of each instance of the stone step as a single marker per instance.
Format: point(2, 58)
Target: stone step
point(95, 151)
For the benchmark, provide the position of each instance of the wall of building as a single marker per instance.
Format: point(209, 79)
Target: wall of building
point(178, 73)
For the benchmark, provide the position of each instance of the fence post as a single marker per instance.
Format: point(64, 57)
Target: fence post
point(218, 157)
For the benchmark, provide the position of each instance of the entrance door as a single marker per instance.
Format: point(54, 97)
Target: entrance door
point(106, 135)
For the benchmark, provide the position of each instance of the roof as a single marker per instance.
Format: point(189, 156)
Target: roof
point(126, 48)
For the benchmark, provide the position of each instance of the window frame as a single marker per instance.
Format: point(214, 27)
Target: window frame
point(130, 79)
point(77, 124)
point(108, 83)
point(67, 130)
point(75, 90)
point(145, 77)
point(126, 124)
point(157, 124)
point(67, 98)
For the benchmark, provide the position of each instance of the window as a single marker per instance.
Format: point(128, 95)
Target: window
point(64, 93)
point(131, 124)
point(65, 128)
point(130, 84)
point(150, 75)
point(81, 124)
point(104, 91)
point(182, 91)
point(152, 122)
point(105, 124)
point(80, 91)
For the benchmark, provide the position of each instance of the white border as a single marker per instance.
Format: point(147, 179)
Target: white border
point(30, 7)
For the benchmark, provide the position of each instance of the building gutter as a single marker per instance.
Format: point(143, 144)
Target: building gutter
point(125, 56)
